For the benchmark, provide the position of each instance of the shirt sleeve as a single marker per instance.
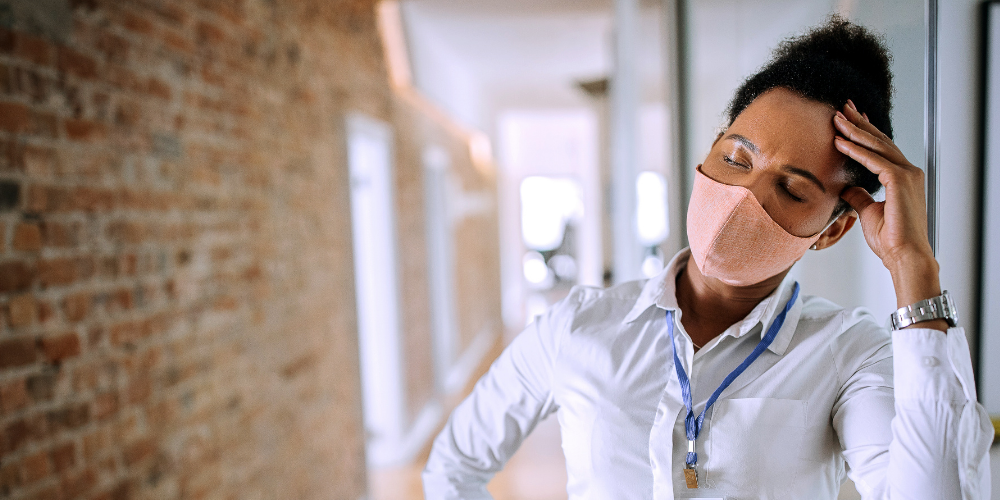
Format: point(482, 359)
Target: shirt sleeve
point(909, 421)
point(503, 408)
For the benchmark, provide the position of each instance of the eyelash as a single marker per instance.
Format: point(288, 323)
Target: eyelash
point(789, 193)
point(784, 187)
point(734, 163)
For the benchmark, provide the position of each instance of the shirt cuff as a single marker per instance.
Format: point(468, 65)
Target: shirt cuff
point(929, 364)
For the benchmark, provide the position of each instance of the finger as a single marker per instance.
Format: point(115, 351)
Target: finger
point(861, 120)
point(854, 132)
point(858, 199)
point(871, 160)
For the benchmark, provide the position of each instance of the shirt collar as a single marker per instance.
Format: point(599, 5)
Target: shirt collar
point(661, 291)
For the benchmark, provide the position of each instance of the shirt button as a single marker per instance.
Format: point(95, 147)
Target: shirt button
point(930, 361)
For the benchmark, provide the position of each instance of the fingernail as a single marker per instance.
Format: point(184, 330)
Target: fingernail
point(841, 115)
point(851, 104)
point(865, 116)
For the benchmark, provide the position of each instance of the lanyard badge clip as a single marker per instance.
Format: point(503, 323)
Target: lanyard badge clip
point(690, 472)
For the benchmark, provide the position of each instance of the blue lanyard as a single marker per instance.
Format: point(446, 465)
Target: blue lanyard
point(692, 425)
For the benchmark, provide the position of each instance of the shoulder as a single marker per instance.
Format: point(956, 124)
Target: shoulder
point(591, 296)
point(853, 335)
point(590, 309)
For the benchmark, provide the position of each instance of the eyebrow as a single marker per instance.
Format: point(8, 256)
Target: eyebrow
point(747, 143)
point(804, 173)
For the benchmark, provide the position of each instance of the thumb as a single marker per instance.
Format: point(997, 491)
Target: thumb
point(858, 199)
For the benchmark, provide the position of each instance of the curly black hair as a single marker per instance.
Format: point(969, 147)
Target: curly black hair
point(830, 63)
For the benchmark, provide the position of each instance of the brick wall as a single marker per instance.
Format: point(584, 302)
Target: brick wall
point(176, 285)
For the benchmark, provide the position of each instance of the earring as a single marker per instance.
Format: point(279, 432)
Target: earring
point(813, 247)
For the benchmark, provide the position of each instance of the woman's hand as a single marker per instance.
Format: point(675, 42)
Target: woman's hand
point(896, 229)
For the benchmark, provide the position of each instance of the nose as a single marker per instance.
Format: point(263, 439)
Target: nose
point(759, 184)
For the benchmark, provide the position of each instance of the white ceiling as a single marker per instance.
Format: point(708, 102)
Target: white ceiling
point(517, 53)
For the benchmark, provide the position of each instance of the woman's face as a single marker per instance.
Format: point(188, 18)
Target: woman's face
point(781, 149)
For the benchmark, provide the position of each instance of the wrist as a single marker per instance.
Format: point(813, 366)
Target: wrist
point(915, 277)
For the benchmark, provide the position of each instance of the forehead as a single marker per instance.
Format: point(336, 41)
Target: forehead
point(792, 130)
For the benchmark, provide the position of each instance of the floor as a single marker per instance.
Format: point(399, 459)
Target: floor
point(536, 472)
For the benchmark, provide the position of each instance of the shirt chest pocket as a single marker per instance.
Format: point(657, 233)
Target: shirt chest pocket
point(754, 446)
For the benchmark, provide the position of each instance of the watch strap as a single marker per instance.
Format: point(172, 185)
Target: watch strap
point(940, 307)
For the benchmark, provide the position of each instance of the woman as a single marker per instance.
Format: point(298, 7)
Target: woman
point(717, 379)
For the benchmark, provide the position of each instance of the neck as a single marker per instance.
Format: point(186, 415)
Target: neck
point(710, 306)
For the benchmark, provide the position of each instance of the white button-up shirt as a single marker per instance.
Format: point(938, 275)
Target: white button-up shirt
point(834, 394)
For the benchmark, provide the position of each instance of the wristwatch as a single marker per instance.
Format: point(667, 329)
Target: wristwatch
point(940, 307)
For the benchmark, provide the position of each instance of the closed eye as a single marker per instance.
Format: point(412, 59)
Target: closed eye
point(735, 163)
point(790, 194)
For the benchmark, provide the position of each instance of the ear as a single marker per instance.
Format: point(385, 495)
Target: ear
point(837, 230)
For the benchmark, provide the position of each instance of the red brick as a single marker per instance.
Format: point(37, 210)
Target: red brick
point(27, 237)
point(78, 484)
point(138, 451)
point(76, 306)
point(64, 456)
point(14, 117)
point(60, 235)
point(61, 347)
point(16, 434)
point(15, 276)
point(8, 41)
point(38, 162)
point(123, 299)
point(96, 443)
point(45, 311)
point(46, 493)
point(17, 352)
point(113, 47)
point(12, 155)
point(13, 396)
point(178, 42)
point(210, 35)
point(137, 24)
point(37, 199)
point(10, 476)
point(105, 405)
point(75, 63)
point(35, 467)
point(34, 49)
point(91, 199)
point(21, 310)
point(124, 333)
point(126, 232)
point(42, 387)
point(44, 125)
point(57, 272)
point(70, 417)
point(139, 390)
point(158, 88)
point(85, 130)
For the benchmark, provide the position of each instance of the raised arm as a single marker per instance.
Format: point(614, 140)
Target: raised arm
point(504, 407)
point(940, 435)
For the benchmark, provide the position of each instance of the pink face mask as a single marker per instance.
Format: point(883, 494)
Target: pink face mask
point(734, 239)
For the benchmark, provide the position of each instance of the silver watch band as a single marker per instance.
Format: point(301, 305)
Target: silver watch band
point(940, 307)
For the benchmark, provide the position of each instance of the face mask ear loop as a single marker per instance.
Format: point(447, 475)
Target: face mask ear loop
point(820, 233)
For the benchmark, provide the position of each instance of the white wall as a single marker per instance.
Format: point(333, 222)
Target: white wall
point(958, 215)
point(439, 72)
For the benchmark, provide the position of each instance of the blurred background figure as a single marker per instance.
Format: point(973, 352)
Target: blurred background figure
point(261, 248)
